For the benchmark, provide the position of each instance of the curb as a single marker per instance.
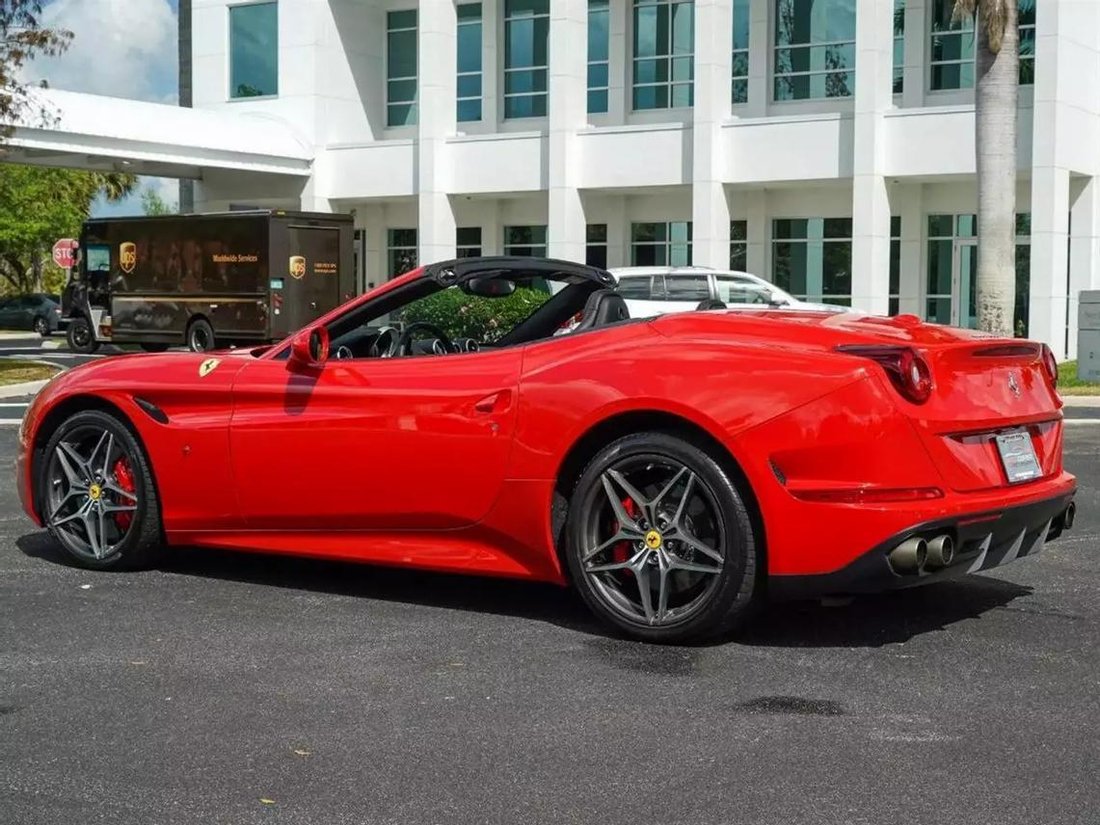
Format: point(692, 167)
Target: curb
point(1081, 400)
point(18, 390)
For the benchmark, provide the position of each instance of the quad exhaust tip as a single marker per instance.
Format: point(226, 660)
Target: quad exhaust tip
point(909, 556)
point(941, 552)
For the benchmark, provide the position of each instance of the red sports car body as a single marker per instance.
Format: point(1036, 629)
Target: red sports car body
point(798, 452)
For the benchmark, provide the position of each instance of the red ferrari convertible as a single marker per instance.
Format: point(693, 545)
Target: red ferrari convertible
point(505, 416)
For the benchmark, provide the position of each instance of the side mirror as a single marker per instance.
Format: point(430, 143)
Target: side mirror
point(309, 348)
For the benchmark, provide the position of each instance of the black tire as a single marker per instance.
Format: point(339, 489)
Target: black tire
point(80, 337)
point(142, 542)
point(726, 595)
point(200, 336)
point(41, 326)
point(154, 347)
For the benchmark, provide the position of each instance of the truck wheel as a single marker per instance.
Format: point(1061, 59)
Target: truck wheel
point(200, 336)
point(80, 337)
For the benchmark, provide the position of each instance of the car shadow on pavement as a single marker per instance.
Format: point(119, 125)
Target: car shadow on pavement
point(881, 619)
point(508, 597)
point(867, 621)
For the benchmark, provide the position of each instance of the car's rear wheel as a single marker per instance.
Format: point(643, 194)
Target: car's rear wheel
point(96, 493)
point(41, 326)
point(659, 542)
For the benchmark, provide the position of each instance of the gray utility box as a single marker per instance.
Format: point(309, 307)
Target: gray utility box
point(1088, 336)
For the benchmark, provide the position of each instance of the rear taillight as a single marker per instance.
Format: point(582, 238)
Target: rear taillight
point(1050, 366)
point(908, 371)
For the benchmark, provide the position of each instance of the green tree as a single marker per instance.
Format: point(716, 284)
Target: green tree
point(22, 38)
point(997, 74)
point(153, 204)
point(38, 205)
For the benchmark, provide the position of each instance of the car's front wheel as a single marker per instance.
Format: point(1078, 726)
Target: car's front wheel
point(96, 493)
point(659, 542)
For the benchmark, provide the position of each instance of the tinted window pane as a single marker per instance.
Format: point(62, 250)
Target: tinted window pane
point(637, 288)
point(687, 287)
point(253, 50)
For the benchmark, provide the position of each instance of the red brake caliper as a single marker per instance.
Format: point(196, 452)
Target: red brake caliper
point(125, 478)
point(621, 551)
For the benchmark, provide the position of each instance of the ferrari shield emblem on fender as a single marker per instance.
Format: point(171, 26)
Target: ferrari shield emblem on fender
point(127, 256)
point(297, 267)
point(208, 366)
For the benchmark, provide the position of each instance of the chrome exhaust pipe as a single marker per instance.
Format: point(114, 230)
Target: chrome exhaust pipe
point(1069, 516)
point(909, 556)
point(941, 552)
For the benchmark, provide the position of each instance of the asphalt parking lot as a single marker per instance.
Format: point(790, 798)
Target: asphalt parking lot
point(241, 689)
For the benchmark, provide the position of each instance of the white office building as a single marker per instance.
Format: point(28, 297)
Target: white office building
point(827, 145)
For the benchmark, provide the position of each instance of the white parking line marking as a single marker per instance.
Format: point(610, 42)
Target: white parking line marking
point(10, 422)
point(1081, 422)
point(23, 404)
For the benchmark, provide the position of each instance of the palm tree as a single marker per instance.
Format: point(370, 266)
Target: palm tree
point(115, 186)
point(997, 60)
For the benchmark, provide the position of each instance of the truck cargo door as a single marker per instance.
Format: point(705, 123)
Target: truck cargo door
point(310, 286)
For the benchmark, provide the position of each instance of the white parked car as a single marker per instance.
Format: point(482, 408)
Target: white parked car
point(656, 290)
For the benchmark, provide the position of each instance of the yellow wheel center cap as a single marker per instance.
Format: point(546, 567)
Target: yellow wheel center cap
point(94, 492)
point(652, 539)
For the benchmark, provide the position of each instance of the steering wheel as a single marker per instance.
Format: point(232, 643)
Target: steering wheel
point(404, 345)
point(385, 344)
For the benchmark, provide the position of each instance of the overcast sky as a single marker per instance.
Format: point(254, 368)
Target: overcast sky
point(121, 48)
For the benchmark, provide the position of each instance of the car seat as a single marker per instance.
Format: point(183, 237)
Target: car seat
point(602, 307)
point(710, 303)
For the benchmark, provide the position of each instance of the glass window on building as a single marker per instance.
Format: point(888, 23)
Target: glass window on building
point(526, 57)
point(895, 265)
point(660, 244)
point(468, 92)
point(664, 47)
point(739, 246)
point(1023, 273)
point(595, 247)
point(899, 46)
point(1025, 24)
point(815, 49)
point(525, 241)
point(254, 50)
point(401, 68)
point(951, 278)
point(812, 258)
point(953, 43)
point(599, 36)
point(740, 51)
point(468, 242)
point(401, 251)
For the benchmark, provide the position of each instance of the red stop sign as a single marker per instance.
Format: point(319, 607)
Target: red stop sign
point(64, 253)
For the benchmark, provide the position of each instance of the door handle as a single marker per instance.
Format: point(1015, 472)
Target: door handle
point(497, 402)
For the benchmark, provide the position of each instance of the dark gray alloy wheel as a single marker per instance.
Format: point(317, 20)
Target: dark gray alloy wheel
point(96, 493)
point(659, 541)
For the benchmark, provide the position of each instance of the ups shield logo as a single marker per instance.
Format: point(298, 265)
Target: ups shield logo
point(127, 257)
point(297, 267)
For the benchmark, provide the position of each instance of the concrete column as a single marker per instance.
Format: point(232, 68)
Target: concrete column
point(492, 229)
point(568, 113)
point(1049, 258)
point(870, 199)
point(710, 212)
point(619, 56)
point(492, 58)
point(1084, 251)
point(911, 208)
point(916, 36)
point(371, 219)
point(759, 59)
point(618, 232)
point(758, 229)
point(436, 54)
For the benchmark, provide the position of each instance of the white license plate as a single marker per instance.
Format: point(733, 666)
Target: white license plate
point(1018, 457)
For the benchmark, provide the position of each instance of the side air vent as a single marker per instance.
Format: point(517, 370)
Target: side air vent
point(152, 410)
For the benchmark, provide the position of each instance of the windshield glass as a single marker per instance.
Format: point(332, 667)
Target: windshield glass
point(734, 290)
point(459, 314)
